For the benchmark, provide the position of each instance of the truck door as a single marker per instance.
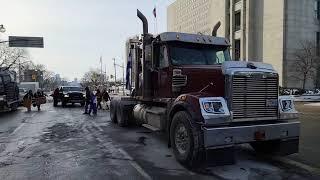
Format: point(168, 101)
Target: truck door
point(163, 88)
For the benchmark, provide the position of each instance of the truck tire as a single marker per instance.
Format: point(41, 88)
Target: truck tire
point(14, 106)
point(122, 116)
point(113, 111)
point(186, 140)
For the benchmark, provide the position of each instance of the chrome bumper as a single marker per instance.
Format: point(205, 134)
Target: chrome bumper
point(226, 136)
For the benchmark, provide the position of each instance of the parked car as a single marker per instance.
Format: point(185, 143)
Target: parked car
point(22, 93)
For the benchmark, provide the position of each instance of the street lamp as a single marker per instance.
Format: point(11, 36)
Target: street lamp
point(2, 29)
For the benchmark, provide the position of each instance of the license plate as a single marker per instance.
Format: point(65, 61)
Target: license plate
point(272, 102)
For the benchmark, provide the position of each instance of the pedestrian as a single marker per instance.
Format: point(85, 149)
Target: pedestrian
point(87, 100)
point(39, 98)
point(106, 97)
point(93, 104)
point(99, 99)
point(55, 97)
point(27, 100)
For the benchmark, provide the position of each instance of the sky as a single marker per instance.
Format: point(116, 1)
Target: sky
point(77, 32)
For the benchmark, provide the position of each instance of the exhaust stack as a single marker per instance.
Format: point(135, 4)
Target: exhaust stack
point(144, 21)
point(215, 28)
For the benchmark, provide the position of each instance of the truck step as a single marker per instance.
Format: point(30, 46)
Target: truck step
point(150, 127)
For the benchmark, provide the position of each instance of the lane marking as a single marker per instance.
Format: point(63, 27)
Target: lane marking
point(21, 125)
point(98, 127)
point(135, 165)
point(131, 161)
point(297, 164)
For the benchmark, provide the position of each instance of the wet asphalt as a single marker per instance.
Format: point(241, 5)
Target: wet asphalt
point(62, 143)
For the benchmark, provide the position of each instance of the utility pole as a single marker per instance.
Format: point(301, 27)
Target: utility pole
point(115, 70)
point(123, 84)
point(101, 74)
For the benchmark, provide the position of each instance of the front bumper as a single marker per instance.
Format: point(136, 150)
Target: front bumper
point(227, 136)
point(69, 100)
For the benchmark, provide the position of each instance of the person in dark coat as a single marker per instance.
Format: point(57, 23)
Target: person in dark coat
point(39, 94)
point(55, 97)
point(99, 99)
point(87, 101)
point(106, 97)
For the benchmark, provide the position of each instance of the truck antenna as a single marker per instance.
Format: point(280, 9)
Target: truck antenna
point(206, 87)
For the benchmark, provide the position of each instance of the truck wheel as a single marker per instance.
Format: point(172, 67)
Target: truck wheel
point(122, 117)
point(113, 111)
point(14, 106)
point(186, 140)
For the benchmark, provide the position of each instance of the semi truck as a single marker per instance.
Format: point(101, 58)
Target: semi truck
point(187, 86)
point(9, 92)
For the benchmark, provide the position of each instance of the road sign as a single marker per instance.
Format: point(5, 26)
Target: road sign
point(22, 41)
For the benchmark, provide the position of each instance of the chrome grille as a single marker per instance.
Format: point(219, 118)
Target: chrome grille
point(251, 94)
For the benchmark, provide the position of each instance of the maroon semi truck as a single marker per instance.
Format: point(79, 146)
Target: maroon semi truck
point(187, 86)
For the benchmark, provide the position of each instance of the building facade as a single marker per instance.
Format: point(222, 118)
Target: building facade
point(267, 31)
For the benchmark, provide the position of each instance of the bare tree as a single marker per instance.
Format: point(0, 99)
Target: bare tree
point(10, 58)
point(306, 63)
point(92, 78)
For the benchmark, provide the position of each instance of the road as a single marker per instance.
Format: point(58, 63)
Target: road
point(62, 143)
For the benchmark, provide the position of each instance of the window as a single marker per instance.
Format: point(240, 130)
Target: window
point(198, 55)
point(237, 49)
point(237, 21)
point(163, 60)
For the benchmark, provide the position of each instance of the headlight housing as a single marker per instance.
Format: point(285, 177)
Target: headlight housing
point(214, 107)
point(214, 110)
point(286, 108)
point(66, 95)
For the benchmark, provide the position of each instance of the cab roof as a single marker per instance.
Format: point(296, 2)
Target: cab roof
point(193, 38)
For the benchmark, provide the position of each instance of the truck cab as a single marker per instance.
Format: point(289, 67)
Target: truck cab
point(187, 86)
point(9, 92)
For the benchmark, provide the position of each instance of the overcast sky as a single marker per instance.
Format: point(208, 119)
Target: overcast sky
point(77, 32)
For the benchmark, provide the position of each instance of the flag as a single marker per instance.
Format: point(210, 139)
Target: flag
point(129, 63)
point(154, 12)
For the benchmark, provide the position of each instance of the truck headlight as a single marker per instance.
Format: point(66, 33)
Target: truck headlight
point(213, 107)
point(214, 110)
point(66, 95)
point(286, 108)
point(2, 98)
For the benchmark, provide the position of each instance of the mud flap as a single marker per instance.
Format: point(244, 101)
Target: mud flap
point(220, 156)
point(287, 147)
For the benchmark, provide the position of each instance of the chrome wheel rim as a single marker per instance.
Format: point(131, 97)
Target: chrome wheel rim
point(181, 139)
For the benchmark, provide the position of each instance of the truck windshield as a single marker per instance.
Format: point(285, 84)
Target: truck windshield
point(71, 89)
point(198, 55)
